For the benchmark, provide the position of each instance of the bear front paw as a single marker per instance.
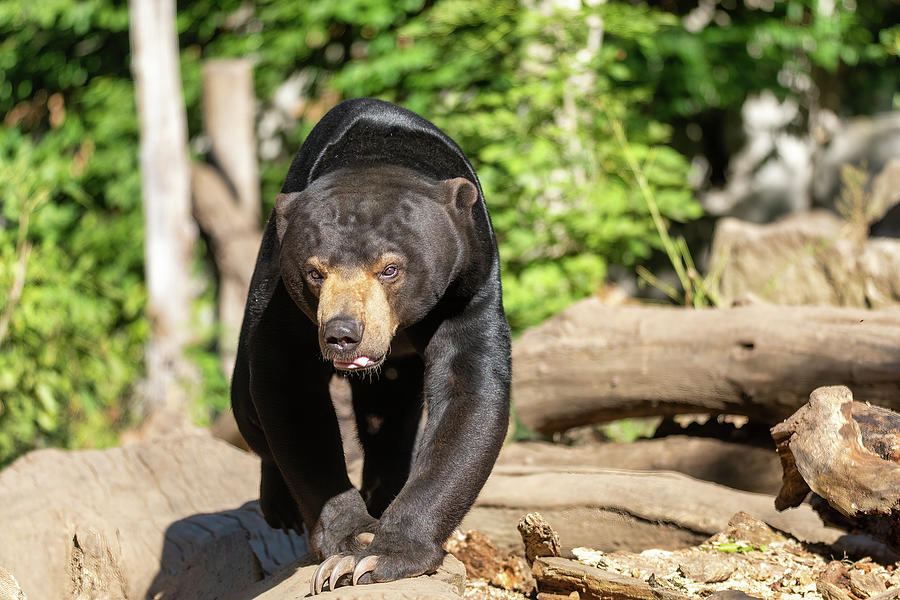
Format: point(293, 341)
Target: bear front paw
point(387, 557)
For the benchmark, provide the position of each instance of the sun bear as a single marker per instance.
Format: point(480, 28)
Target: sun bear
point(379, 262)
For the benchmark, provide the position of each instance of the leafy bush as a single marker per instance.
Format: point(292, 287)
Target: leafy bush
point(75, 334)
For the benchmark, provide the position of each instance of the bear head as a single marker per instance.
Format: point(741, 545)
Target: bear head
point(367, 251)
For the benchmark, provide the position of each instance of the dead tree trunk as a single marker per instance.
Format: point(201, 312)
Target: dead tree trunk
point(169, 229)
point(226, 199)
point(848, 453)
point(595, 363)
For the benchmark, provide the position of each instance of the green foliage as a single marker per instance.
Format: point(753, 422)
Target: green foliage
point(733, 547)
point(75, 333)
point(844, 58)
point(532, 98)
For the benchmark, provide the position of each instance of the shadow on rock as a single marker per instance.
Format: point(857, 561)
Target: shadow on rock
point(216, 555)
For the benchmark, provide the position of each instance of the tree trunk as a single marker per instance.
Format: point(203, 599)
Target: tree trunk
point(169, 228)
point(228, 118)
point(594, 363)
point(226, 193)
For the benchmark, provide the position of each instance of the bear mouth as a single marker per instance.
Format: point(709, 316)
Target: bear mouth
point(359, 363)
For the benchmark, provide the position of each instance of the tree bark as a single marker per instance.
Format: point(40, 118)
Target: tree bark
point(594, 363)
point(848, 453)
point(226, 193)
point(229, 107)
point(169, 229)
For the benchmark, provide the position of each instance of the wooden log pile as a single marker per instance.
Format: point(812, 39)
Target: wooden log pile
point(594, 363)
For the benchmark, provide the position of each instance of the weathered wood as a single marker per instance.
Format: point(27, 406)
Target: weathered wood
point(848, 453)
point(169, 230)
point(739, 466)
point(226, 196)
point(654, 497)
point(484, 560)
point(172, 517)
point(538, 537)
point(593, 363)
point(562, 576)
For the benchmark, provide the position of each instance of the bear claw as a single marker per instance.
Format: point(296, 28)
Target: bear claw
point(345, 567)
point(364, 566)
point(336, 567)
point(318, 579)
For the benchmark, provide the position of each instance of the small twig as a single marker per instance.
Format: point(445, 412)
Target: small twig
point(656, 282)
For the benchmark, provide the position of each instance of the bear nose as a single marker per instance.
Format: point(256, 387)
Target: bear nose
point(343, 333)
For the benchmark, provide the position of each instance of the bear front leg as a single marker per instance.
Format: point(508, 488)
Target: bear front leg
point(289, 391)
point(467, 393)
point(308, 479)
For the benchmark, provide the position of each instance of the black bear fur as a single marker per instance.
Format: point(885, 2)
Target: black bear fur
point(373, 178)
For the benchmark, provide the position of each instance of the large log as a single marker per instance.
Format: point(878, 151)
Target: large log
point(739, 466)
point(171, 518)
point(848, 453)
point(593, 363)
point(613, 509)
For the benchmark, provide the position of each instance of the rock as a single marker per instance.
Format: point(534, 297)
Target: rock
point(802, 260)
point(885, 199)
point(292, 582)
point(706, 568)
point(743, 527)
point(167, 518)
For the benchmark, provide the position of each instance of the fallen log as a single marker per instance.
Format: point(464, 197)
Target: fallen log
point(611, 509)
point(561, 576)
point(848, 453)
point(593, 363)
point(169, 518)
point(739, 466)
point(292, 582)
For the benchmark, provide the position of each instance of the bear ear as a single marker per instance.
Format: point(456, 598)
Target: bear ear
point(459, 192)
point(283, 204)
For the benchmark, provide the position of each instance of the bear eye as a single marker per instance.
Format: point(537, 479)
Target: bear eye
point(315, 275)
point(389, 272)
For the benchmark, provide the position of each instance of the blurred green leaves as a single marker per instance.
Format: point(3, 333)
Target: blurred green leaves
point(75, 332)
